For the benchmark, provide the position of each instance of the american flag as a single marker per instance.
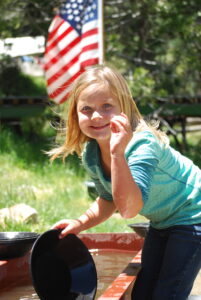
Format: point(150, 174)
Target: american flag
point(74, 42)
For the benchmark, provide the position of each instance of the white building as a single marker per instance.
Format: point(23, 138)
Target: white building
point(27, 51)
point(21, 46)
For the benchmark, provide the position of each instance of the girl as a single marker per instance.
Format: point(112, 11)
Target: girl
point(135, 171)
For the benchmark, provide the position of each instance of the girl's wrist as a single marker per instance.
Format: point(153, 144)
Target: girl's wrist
point(117, 156)
point(79, 224)
point(83, 221)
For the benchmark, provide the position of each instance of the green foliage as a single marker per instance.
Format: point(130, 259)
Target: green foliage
point(158, 42)
point(193, 147)
point(26, 18)
point(155, 44)
point(57, 191)
point(141, 82)
point(14, 83)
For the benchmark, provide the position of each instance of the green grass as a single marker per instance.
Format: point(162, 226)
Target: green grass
point(193, 147)
point(57, 191)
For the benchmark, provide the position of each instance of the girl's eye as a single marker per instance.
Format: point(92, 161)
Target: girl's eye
point(107, 106)
point(86, 109)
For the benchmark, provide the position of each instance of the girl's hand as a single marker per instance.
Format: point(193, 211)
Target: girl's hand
point(121, 134)
point(68, 226)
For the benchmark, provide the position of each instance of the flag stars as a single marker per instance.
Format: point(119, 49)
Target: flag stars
point(68, 5)
point(77, 19)
point(77, 12)
point(78, 27)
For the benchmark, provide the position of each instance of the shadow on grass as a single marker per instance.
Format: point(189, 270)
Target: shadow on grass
point(192, 150)
point(30, 149)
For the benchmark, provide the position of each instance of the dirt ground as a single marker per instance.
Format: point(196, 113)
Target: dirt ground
point(197, 285)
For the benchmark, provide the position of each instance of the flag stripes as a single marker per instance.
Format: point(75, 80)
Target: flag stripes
point(68, 52)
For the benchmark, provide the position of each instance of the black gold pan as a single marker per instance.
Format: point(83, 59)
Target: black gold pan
point(62, 268)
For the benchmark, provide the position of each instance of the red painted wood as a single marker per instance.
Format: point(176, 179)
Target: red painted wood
point(16, 271)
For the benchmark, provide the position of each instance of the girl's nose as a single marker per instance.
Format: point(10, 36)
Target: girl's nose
point(96, 115)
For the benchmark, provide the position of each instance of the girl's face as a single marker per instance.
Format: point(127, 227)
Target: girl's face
point(95, 109)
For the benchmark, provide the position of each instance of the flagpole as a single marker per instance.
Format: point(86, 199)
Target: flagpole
point(101, 28)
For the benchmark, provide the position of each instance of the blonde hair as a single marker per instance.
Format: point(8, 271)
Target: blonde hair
point(99, 76)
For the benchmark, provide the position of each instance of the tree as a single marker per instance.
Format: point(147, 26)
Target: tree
point(26, 17)
point(156, 44)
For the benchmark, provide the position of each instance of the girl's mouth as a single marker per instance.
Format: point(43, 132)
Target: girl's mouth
point(100, 127)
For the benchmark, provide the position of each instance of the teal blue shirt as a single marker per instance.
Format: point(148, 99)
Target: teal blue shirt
point(170, 183)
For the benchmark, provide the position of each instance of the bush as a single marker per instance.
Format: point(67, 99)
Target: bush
point(14, 83)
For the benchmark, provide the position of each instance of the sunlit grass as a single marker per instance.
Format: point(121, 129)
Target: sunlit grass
point(57, 191)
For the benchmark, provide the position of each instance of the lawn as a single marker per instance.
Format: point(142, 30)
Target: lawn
point(57, 190)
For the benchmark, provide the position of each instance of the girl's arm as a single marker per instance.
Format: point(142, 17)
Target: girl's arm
point(127, 195)
point(99, 211)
